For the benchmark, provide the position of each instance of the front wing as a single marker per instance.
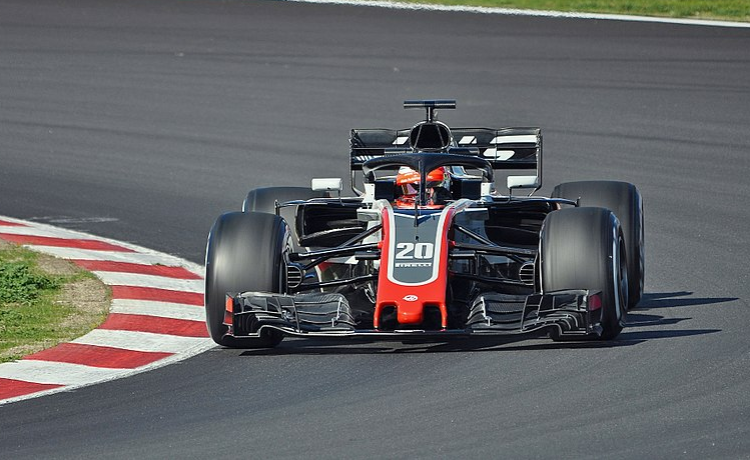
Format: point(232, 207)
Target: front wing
point(569, 313)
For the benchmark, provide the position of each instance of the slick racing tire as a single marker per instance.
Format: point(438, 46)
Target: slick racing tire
point(625, 201)
point(264, 200)
point(584, 248)
point(244, 253)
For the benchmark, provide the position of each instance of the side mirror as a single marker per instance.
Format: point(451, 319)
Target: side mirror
point(523, 182)
point(327, 185)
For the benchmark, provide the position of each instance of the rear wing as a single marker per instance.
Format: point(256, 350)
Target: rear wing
point(504, 148)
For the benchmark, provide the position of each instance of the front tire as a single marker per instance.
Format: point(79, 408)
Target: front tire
point(244, 253)
point(625, 201)
point(583, 248)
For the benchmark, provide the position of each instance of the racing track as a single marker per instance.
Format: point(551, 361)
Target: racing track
point(143, 120)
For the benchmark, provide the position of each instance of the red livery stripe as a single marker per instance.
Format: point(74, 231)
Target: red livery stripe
point(63, 242)
point(98, 356)
point(10, 388)
point(5, 223)
point(141, 269)
point(155, 324)
point(156, 294)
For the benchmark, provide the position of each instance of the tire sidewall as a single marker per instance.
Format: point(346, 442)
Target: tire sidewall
point(581, 248)
point(244, 252)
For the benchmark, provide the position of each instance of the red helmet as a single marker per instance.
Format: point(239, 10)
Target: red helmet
point(408, 179)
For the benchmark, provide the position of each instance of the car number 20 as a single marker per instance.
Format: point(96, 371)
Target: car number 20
point(415, 250)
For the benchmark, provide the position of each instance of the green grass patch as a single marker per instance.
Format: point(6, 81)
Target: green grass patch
point(736, 10)
point(36, 308)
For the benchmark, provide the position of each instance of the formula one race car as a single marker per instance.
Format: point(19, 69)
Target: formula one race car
point(427, 247)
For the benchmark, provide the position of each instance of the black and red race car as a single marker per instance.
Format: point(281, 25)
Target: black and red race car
point(426, 246)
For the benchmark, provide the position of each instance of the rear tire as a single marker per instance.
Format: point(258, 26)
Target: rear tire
point(265, 199)
point(583, 248)
point(244, 253)
point(625, 201)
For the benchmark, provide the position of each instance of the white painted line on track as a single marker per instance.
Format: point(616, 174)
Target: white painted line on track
point(159, 282)
point(535, 13)
point(39, 231)
point(161, 309)
point(59, 373)
point(139, 341)
point(132, 257)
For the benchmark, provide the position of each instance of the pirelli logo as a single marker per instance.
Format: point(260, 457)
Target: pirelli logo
point(413, 264)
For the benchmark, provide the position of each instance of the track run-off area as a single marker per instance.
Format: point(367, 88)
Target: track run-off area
point(141, 121)
point(156, 315)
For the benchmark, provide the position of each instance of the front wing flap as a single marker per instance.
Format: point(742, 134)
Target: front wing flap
point(569, 312)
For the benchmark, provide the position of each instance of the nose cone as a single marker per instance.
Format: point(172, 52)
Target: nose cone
point(410, 313)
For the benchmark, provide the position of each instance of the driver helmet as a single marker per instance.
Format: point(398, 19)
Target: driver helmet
point(408, 180)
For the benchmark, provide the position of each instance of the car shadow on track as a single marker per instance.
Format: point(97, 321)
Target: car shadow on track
point(302, 347)
point(678, 299)
point(641, 327)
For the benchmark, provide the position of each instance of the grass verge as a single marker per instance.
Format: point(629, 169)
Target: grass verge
point(734, 10)
point(45, 301)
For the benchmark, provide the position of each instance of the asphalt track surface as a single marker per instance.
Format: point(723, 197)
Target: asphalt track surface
point(143, 120)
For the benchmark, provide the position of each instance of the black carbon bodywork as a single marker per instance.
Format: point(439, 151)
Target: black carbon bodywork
point(457, 259)
point(330, 315)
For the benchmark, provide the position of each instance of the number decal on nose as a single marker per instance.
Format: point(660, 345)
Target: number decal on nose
point(415, 251)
